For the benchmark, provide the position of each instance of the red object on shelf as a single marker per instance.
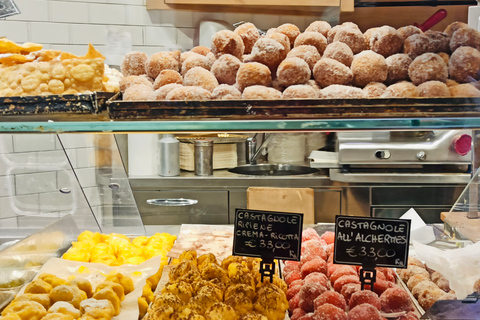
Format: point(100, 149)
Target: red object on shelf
point(433, 20)
point(462, 144)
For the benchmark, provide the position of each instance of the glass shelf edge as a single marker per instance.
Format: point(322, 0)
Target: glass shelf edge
point(240, 125)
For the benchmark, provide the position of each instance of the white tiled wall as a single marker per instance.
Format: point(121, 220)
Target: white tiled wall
point(71, 24)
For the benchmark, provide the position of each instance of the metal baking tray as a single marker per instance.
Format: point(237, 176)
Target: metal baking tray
point(53, 107)
point(295, 108)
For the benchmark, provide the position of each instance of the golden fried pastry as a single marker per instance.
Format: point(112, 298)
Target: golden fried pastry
point(339, 51)
point(416, 44)
point(58, 316)
point(290, 30)
point(465, 37)
point(268, 52)
point(338, 91)
point(181, 269)
point(253, 316)
point(368, 66)
point(329, 71)
point(427, 67)
point(261, 93)
point(200, 77)
point(464, 65)
point(116, 287)
point(293, 71)
point(181, 289)
point(374, 89)
point(253, 73)
point(226, 92)
point(300, 91)
point(352, 37)
point(52, 279)
point(125, 281)
point(464, 90)
point(155, 278)
point(226, 41)
point(439, 41)
point(26, 310)
point(398, 67)
point(249, 34)
point(306, 52)
point(41, 298)
point(225, 68)
point(277, 281)
point(214, 271)
point(97, 308)
point(160, 313)
point(407, 31)
point(240, 290)
point(161, 61)
point(166, 77)
point(241, 304)
point(11, 316)
point(82, 284)
point(187, 314)
point(271, 301)
point(402, 89)
point(133, 63)
point(196, 60)
point(283, 40)
point(38, 286)
point(142, 307)
point(67, 293)
point(110, 295)
point(220, 311)
point(168, 299)
point(65, 308)
point(147, 292)
point(313, 39)
point(162, 92)
point(384, 40)
point(201, 302)
point(319, 26)
point(431, 89)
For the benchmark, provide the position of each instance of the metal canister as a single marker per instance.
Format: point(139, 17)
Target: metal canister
point(203, 157)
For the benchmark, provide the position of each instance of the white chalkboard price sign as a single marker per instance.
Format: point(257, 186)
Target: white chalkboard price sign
point(267, 234)
point(371, 241)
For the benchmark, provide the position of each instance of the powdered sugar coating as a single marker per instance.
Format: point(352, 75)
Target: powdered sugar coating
point(139, 92)
point(328, 311)
point(328, 71)
point(306, 52)
point(339, 51)
point(416, 45)
point(225, 69)
point(331, 297)
point(196, 60)
point(364, 296)
point(352, 37)
point(308, 293)
point(313, 39)
point(465, 37)
point(433, 89)
point(465, 90)
point(374, 89)
point(395, 300)
point(300, 91)
point(253, 73)
point(128, 81)
point(133, 63)
point(200, 77)
point(439, 41)
point(384, 40)
point(166, 77)
point(407, 31)
point(402, 89)
point(290, 30)
point(226, 92)
point(319, 26)
point(368, 66)
point(364, 312)
point(226, 41)
point(162, 92)
point(426, 67)
point(314, 265)
point(338, 91)
point(162, 60)
point(258, 92)
point(398, 67)
point(464, 65)
point(249, 34)
point(268, 52)
point(189, 93)
point(293, 71)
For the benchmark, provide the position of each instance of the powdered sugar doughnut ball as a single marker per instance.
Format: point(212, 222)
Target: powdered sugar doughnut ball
point(364, 296)
point(352, 37)
point(340, 271)
point(328, 237)
point(167, 77)
point(432, 89)
point(128, 81)
point(368, 66)
point(319, 26)
point(290, 266)
point(162, 92)
point(253, 73)
point(384, 40)
point(464, 90)
point(162, 60)
point(292, 276)
point(189, 93)
point(407, 31)
point(415, 279)
point(293, 303)
point(313, 39)
point(426, 67)
point(226, 92)
point(300, 91)
point(139, 92)
point(306, 52)
point(402, 89)
point(329, 312)
point(328, 71)
point(343, 280)
point(408, 316)
point(133, 63)
point(283, 40)
point(454, 26)
point(331, 297)
point(307, 295)
point(314, 265)
point(465, 37)
point(290, 30)
point(293, 71)
point(464, 65)
point(225, 68)
point(338, 91)
point(200, 77)
point(395, 300)
point(349, 289)
point(193, 61)
point(364, 312)
point(333, 31)
point(249, 34)
point(308, 316)
point(389, 273)
point(226, 41)
point(292, 291)
point(339, 51)
point(416, 45)
point(268, 52)
point(297, 314)
point(296, 282)
point(261, 93)
point(317, 277)
point(374, 89)
point(439, 41)
point(398, 67)
point(310, 234)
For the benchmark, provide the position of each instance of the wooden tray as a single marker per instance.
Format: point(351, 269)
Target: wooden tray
point(295, 109)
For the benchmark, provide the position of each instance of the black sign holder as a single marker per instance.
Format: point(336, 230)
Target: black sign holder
point(368, 274)
point(268, 235)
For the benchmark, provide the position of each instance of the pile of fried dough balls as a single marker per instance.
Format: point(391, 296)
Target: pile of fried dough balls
point(321, 62)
